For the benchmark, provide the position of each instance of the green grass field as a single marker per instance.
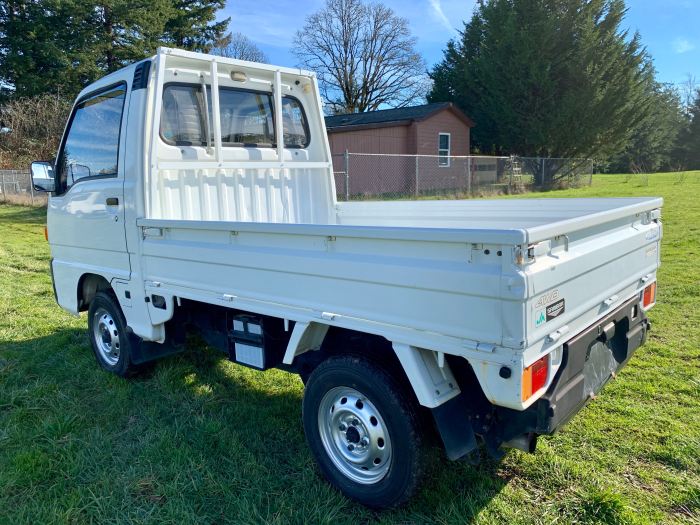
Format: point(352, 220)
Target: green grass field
point(199, 439)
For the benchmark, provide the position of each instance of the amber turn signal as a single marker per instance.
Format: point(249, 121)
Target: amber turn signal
point(649, 296)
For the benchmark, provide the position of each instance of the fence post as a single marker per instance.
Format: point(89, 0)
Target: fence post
point(4, 192)
point(31, 188)
point(416, 189)
point(346, 168)
point(468, 173)
point(512, 169)
point(542, 174)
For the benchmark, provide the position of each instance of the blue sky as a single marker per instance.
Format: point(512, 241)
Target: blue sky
point(668, 28)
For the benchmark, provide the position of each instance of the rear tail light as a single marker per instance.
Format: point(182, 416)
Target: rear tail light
point(46, 233)
point(649, 296)
point(535, 377)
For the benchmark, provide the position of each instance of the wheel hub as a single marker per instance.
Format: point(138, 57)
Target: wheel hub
point(354, 435)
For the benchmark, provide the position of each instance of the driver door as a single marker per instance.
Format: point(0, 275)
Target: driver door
point(86, 213)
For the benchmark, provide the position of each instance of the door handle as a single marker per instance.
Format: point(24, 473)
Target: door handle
point(112, 201)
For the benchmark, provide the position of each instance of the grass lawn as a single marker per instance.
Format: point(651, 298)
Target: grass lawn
point(199, 439)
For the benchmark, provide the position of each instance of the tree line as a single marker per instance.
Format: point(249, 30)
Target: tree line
point(550, 78)
point(562, 78)
point(51, 49)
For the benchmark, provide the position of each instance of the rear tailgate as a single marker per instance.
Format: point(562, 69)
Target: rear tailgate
point(580, 270)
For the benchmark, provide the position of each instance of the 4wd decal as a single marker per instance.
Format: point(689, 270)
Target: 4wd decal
point(555, 310)
point(545, 298)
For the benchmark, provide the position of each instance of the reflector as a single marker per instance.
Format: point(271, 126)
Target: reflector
point(535, 377)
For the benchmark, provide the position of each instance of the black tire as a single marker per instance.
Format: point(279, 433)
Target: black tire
point(105, 317)
point(398, 416)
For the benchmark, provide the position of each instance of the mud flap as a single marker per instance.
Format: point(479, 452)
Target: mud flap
point(455, 427)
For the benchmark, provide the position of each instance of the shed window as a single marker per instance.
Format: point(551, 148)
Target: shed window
point(444, 150)
point(246, 118)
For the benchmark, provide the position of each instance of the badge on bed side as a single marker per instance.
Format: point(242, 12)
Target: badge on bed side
point(547, 307)
point(555, 309)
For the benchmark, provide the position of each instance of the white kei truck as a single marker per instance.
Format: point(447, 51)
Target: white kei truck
point(196, 193)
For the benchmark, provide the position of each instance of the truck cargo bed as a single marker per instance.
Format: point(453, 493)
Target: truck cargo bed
point(467, 278)
point(521, 220)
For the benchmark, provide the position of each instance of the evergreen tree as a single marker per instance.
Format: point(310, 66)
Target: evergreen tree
point(57, 46)
point(652, 146)
point(548, 77)
point(42, 45)
point(194, 25)
point(127, 30)
point(690, 138)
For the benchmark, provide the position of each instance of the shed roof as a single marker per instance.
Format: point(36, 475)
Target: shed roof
point(397, 116)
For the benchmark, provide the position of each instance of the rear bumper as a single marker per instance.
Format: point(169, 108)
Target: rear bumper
point(590, 360)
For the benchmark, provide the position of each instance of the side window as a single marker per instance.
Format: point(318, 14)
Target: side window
point(444, 150)
point(182, 117)
point(296, 131)
point(91, 147)
point(246, 118)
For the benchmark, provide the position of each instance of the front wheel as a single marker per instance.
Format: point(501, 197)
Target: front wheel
point(362, 428)
point(110, 341)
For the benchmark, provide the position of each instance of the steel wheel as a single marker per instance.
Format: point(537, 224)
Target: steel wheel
point(354, 435)
point(106, 336)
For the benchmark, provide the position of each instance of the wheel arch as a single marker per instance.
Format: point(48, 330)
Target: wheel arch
point(422, 371)
point(319, 342)
point(88, 285)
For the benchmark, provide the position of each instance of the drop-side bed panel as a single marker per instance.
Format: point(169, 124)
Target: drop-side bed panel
point(433, 286)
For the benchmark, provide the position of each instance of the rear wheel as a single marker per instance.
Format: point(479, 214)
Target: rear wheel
point(110, 341)
point(363, 431)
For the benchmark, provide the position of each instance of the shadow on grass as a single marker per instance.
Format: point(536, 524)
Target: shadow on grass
point(194, 415)
point(23, 214)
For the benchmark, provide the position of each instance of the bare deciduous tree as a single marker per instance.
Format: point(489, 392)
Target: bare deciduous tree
point(364, 56)
point(688, 91)
point(237, 45)
point(37, 125)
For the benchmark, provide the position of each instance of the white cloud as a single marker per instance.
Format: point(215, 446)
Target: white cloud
point(436, 7)
point(682, 45)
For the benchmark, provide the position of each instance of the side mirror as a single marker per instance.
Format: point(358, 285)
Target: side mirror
point(42, 176)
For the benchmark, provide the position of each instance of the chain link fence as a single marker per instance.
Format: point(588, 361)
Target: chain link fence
point(367, 176)
point(16, 187)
